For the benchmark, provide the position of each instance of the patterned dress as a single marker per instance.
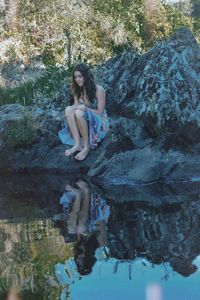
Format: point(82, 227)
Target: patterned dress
point(98, 127)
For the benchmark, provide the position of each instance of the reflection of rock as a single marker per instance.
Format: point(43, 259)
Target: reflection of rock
point(166, 234)
point(155, 194)
point(31, 196)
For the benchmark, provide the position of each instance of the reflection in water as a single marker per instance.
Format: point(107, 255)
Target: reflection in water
point(153, 292)
point(30, 245)
point(141, 248)
point(126, 234)
point(86, 214)
point(169, 234)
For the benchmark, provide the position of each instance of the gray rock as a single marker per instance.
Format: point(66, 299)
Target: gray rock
point(163, 91)
point(163, 83)
point(46, 154)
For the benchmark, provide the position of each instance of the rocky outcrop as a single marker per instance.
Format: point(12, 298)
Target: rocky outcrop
point(153, 103)
point(42, 152)
point(163, 83)
point(162, 89)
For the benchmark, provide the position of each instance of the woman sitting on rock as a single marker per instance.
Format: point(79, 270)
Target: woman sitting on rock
point(86, 119)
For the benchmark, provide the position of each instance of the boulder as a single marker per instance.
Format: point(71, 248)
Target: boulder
point(162, 83)
point(44, 153)
point(161, 89)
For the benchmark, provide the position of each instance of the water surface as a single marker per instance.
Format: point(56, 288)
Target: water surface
point(64, 238)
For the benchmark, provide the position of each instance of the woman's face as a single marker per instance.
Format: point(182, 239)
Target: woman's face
point(78, 77)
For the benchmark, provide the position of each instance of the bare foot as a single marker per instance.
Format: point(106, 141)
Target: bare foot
point(68, 187)
point(82, 154)
point(74, 149)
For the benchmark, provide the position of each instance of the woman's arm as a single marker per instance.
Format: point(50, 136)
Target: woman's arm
point(76, 103)
point(101, 98)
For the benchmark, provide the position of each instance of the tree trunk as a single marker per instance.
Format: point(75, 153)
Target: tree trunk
point(12, 14)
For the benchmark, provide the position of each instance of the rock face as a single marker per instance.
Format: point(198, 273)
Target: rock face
point(154, 108)
point(162, 89)
point(163, 83)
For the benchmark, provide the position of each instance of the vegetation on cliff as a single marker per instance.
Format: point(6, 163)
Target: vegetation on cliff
point(60, 33)
point(89, 30)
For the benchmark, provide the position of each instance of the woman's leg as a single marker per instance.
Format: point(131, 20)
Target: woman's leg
point(72, 123)
point(84, 211)
point(83, 128)
point(73, 215)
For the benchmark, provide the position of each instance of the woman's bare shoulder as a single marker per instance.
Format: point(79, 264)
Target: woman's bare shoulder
point(99, 88)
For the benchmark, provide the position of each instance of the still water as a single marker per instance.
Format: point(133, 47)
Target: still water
point(66, 239)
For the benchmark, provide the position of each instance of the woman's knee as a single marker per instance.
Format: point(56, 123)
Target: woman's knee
point(79, 113)
point(68, 110)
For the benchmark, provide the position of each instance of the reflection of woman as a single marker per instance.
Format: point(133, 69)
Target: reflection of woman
point(87, 219)
point(86, 118)
point(88, 210)
point(84, 253)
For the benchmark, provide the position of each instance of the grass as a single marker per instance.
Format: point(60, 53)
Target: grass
point(45, 85)
point(22, 133)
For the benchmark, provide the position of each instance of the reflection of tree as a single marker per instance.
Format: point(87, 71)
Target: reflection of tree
point(28, 252)
point(169, 234)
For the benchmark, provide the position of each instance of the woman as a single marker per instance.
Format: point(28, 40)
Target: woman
point(86, 118)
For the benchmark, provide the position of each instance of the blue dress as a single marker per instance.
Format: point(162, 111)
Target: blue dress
point(98, 127)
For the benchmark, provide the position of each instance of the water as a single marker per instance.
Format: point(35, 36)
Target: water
point(66, 239)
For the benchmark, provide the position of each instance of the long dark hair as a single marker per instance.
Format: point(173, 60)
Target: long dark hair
point(89, 84)
point(84, 253)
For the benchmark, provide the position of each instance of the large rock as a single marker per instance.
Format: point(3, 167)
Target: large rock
point(45, 154)
point(163, 83)
point(145, 166)
point(162, 89)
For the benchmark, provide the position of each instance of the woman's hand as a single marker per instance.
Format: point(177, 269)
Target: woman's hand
point(82, 107)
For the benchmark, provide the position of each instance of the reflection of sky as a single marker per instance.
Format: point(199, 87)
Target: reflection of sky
point(104, 284)
point(197, 262)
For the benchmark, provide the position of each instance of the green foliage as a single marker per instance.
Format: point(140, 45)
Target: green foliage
point(161, 21)
point(22, 133)
point(64, 32)
point(4, 287)
point(45, 85)
point(197, 28)
point(177, 19)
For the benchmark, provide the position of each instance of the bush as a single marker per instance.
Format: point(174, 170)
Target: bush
point(45, 85)
point(22, 133)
